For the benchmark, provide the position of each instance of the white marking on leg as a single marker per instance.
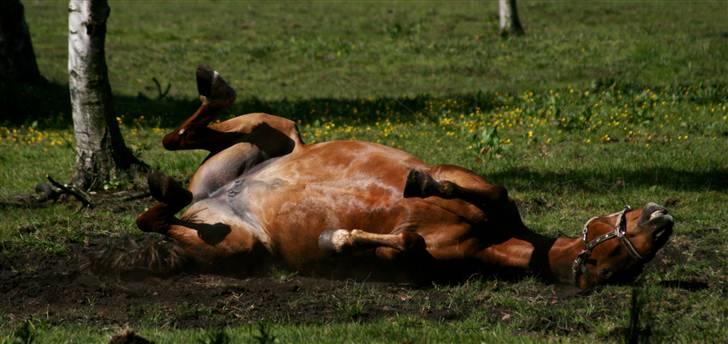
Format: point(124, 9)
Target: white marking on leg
point(340, 238)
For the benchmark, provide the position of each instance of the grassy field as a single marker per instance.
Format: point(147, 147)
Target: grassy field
point(601, 104)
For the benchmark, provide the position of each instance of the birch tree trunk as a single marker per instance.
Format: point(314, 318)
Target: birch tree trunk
point(101, 154)
point(17, 59)
point(509, 22)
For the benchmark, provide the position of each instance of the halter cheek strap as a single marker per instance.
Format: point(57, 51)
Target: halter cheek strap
point(619, 232)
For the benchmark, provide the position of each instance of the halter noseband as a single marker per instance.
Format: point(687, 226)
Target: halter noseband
point(619, 232)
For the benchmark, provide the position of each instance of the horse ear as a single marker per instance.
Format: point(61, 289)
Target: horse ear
point(212, 86)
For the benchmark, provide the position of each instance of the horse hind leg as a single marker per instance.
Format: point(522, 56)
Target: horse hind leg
point(172, 198)
point(216, 96)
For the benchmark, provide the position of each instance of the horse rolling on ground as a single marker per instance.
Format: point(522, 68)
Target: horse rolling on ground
point(360, 209)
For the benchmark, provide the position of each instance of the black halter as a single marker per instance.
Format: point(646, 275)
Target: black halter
point(619, 232)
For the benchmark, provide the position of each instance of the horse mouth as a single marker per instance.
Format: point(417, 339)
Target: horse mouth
point(663, 224)
point(657, 219)
point(662, 234)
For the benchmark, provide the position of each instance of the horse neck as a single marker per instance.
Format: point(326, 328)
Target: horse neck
point(549, 257)
point(561, 255)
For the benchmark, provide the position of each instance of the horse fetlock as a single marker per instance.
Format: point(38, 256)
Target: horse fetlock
point(335, 240)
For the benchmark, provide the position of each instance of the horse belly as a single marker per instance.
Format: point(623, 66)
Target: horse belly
point(295, 215)
point(347, 185)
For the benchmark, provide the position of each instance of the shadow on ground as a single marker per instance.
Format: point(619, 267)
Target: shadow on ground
point(48, 104)
point(587, 180)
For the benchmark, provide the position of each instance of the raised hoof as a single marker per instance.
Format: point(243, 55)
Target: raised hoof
point(420, 184)
point(215, 90)
point(167, 190)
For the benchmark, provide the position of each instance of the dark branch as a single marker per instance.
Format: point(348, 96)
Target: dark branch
point(72, 190)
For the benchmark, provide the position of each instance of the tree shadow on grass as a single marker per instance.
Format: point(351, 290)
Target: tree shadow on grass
point(613, 180)
point(48, 105)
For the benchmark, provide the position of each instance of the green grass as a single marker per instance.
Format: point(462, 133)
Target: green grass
point(404, 328)
point(354, 50)
point(600, 104)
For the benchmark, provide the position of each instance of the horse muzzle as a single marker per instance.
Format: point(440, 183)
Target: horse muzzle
point(655, 218)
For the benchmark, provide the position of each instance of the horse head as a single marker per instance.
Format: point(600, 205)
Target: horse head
point(617, 246)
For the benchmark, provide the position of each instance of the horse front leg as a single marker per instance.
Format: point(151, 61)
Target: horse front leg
point(453, 182)
point(172, 198)
point(224, 167)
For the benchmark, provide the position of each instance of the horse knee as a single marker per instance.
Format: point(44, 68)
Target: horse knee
point(190, 136)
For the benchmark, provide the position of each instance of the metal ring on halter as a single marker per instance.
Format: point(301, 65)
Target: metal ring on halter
point(619, 232)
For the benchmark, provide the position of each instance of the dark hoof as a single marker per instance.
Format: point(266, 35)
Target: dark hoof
point(152, 223)
point(420, 184)
point(167, 190)
point(214, 88)
point(204, 80)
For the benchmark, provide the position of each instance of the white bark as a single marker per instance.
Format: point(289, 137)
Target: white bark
point(509, 22)
point(100, 149)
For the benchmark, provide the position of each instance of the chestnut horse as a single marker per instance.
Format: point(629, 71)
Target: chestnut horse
point(351, 208)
